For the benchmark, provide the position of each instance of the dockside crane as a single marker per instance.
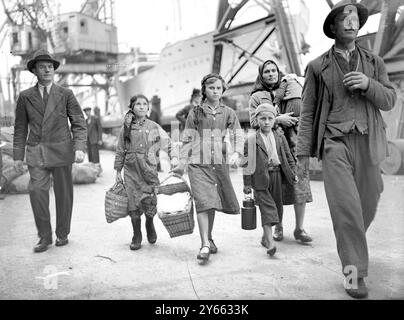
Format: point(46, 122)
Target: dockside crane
point(86, 42)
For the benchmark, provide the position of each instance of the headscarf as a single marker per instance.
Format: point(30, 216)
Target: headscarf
point(127, 124)
point(130, 117)
point(260, 84)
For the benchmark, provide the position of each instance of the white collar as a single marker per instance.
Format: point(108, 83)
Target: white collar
point(48, 87)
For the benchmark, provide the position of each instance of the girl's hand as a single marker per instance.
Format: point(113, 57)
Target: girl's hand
point(178, 170)
point(234, 160)
point(174, 162)
point(118, 177)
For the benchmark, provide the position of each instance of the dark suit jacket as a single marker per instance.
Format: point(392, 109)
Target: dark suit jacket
point(255, 172)
point(51, 142)
point(317, 101)
point(94, 130)
point(182, 115)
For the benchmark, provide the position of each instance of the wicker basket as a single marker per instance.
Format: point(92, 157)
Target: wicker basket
point(182, 222)
point(116, 203)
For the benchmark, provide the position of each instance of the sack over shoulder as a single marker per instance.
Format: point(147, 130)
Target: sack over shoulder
point(116, 202)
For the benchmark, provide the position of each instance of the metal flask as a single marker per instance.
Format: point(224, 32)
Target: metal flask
point(248, 214)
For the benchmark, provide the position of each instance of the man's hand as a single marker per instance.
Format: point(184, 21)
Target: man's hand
point(100, 143)
point(18, 165)
point(303, 163)
point(286, 119)
point(356, 80)
point(118, 178)
point(79, 156)
point(247, 189)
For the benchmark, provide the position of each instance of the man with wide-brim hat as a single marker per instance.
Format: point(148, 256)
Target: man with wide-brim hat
point(341, 124)
point(50, 134)
point(362, 13)
point(42, 55)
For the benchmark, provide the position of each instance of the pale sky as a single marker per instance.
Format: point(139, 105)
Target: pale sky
point(151, 24)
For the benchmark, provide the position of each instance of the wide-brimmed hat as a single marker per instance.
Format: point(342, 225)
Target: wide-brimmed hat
point(86, 108)
point(42, 55)
point(363, 15)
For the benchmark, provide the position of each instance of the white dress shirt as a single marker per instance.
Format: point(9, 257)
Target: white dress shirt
point(48, 88)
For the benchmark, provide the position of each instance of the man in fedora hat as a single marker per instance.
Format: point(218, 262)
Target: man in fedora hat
point(43, 113)
point(94, 138)
point(341, 123)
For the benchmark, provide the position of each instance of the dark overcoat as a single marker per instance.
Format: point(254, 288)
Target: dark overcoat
point(317, 100)
point(51, 141)
point(255, 172)
point(94, 130)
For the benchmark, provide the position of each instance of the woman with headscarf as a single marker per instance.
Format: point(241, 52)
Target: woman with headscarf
point(272, 87)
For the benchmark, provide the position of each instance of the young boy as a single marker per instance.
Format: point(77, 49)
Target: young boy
point(268, 162)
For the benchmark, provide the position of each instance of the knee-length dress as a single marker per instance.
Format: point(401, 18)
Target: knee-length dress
point(206, 152)
point(139, 157)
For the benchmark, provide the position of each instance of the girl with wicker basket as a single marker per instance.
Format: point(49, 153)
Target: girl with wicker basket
point(205, 151)
point(139, 142)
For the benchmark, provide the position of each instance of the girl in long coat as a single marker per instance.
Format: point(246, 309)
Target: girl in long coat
point(139, 141)
point(206, 152)
point(267, 90)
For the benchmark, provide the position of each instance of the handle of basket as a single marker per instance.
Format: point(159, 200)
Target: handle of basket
point(117, 185)
point(175, 175)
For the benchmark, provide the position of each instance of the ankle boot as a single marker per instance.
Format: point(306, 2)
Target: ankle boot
point(151, 231)
point(137, 234)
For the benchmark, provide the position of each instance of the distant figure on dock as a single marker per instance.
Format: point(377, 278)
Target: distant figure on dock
point(183, 113)
point(52, 119)
point(139, 141)
point(340, 122)
point(94, 139)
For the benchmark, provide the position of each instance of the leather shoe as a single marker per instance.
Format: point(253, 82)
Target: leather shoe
point(271, 252)
point(213, 248)
point(42, 245)
point(360, 292)
point(278, 233)
point(61, 242)
point(302, 236)
point(203, 255)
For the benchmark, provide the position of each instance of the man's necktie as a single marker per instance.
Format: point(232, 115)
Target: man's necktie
point(45, 96)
